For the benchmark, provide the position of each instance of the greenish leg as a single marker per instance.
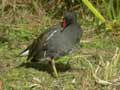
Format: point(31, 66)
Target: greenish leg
point(54, 68)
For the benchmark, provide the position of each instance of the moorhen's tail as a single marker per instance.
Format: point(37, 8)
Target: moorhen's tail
point(24, 52)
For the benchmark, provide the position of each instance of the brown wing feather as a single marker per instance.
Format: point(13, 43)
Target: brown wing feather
point(37, 45)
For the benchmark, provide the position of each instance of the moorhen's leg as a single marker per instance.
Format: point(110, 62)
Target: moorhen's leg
point(54, 68)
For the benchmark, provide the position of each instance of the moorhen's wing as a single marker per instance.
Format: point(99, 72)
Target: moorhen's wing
point(40, 45)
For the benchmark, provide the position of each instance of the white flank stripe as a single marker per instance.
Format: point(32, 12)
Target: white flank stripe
point(51, 35)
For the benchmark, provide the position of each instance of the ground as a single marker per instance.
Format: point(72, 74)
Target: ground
point(95, 66)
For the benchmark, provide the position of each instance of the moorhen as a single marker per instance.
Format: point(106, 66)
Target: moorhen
point(58, 41)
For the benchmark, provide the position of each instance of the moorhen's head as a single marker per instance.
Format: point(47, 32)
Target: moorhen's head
point(68, 19)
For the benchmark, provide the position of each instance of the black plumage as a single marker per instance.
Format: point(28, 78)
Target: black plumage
point(58, 41)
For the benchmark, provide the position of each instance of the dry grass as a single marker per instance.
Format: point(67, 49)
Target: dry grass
point(94, 67)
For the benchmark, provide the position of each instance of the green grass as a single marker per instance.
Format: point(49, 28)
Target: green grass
point(95, 66)
point(92, 67)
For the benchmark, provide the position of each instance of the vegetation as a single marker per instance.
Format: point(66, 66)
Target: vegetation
point(94, 67)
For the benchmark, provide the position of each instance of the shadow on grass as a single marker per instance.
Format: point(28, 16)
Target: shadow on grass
point(46, 67)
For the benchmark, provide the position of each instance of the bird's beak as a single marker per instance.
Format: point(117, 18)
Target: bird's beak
point(62, 19)
point(62, 23)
